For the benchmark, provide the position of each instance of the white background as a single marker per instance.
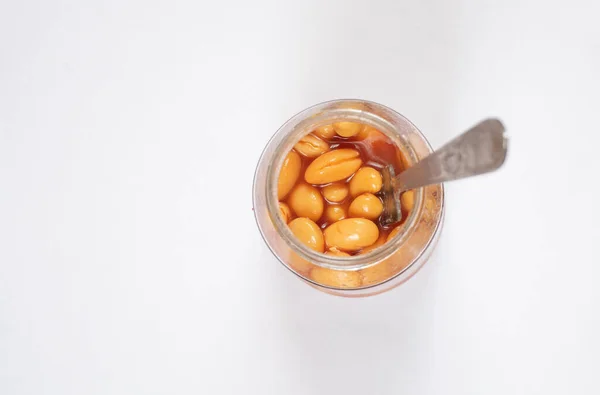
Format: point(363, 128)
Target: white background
point(130, 262)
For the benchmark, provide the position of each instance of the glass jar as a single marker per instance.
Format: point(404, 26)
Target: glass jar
point(386, 266)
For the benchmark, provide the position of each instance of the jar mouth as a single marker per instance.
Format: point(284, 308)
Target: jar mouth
point(323, 114)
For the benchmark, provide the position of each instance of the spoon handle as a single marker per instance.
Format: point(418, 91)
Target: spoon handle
point(479, 150)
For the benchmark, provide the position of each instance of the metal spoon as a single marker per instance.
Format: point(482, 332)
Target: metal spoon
point(479, 150)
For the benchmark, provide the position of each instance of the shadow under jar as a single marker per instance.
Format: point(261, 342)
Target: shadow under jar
point(381, 268)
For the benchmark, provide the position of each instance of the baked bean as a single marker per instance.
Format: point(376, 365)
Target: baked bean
point(366, 206)
point(285, 212)
point(306, 201)
point(325, 132)
point(334, 213)
point(290, 170)
point(370, 133)
point(335, 192)
point(311, 146)
point(366, 179)
point(351, 234)
point(347, 129)
point(333, 166)
point(407, 200)
point(308, 233)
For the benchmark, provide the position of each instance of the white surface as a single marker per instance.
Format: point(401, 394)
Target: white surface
point(130, 262)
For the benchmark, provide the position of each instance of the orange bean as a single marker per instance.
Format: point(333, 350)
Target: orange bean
point(333, 166)
point(308, 233)
point(306, 201)
point(351, 234)
point(366, 206)
point(290, 171)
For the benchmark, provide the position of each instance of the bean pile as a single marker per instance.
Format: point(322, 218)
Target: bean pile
point(328, 187)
